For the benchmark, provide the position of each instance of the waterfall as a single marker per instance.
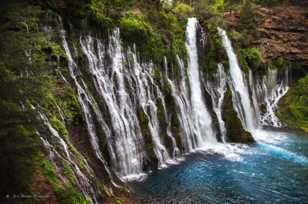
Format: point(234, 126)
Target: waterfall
point(87, 102)
point(125, 86)
point(268, 91)
point(127, 139)
point(180, 95)
point(239, 87)
point(121, 100)
point(147, 94)
point(217, 89)
point(203, 126)
point(81, 179)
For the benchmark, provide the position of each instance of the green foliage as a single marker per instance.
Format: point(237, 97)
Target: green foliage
point(68, 101)
point(250, 58)
point(68, 171)
point(182, 10)
point(293, 109)
point(98, 16)
point(170, 29)
point(279, 63)
point(215, 52)
point(135, 28)
point(27, 78)
point(212, 6)
point(24, 80)
point(253, 56)
point(247, 21)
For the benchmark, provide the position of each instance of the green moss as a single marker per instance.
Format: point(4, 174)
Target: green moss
point(66, 193)
point(68, 102)
point(49, 172)
point(136, 29)
point(59, 126)
point(235, 130)
point(70, 195)
point(215, 52)
point(80, 159)
point(68, 171)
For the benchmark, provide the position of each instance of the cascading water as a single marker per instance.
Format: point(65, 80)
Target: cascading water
point(127, 138)
point(183, 112)
point(146, 98)
point(81, 179)
point(86, 101)
point(269, 90)
point(217, 88)
point(239, 87)
point(204, 132)
point(266, 91)
point(126, 88)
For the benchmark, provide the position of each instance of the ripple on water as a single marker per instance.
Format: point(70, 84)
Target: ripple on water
point(262, 173)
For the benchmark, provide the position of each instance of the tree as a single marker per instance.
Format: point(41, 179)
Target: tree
point(247, 21)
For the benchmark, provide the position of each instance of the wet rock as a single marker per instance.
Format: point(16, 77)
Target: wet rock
point(235, 130)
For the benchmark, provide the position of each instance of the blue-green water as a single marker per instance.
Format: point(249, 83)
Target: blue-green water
point(275, 170)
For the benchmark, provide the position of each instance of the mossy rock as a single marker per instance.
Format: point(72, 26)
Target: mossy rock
point(235, 131)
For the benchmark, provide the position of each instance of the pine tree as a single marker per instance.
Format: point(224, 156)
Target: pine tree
point(247, 21)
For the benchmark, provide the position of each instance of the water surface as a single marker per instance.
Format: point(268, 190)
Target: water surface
point(275, 170)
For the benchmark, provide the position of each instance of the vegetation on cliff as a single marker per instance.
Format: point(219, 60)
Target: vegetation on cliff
point(33, 70)
point(293, 109)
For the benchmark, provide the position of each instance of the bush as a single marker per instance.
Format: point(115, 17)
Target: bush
point(134, 28)
point(253, 56)
point(182, 10)
point(293, 109)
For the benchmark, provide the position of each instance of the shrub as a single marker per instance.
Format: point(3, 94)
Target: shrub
point(182, 10)
point(253, 56)
point(134, 28)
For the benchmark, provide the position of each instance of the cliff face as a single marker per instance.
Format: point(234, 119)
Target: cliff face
point(280, 31)
point(59, 76)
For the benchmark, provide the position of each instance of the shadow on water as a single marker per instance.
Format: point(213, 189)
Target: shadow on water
point(275, 171)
